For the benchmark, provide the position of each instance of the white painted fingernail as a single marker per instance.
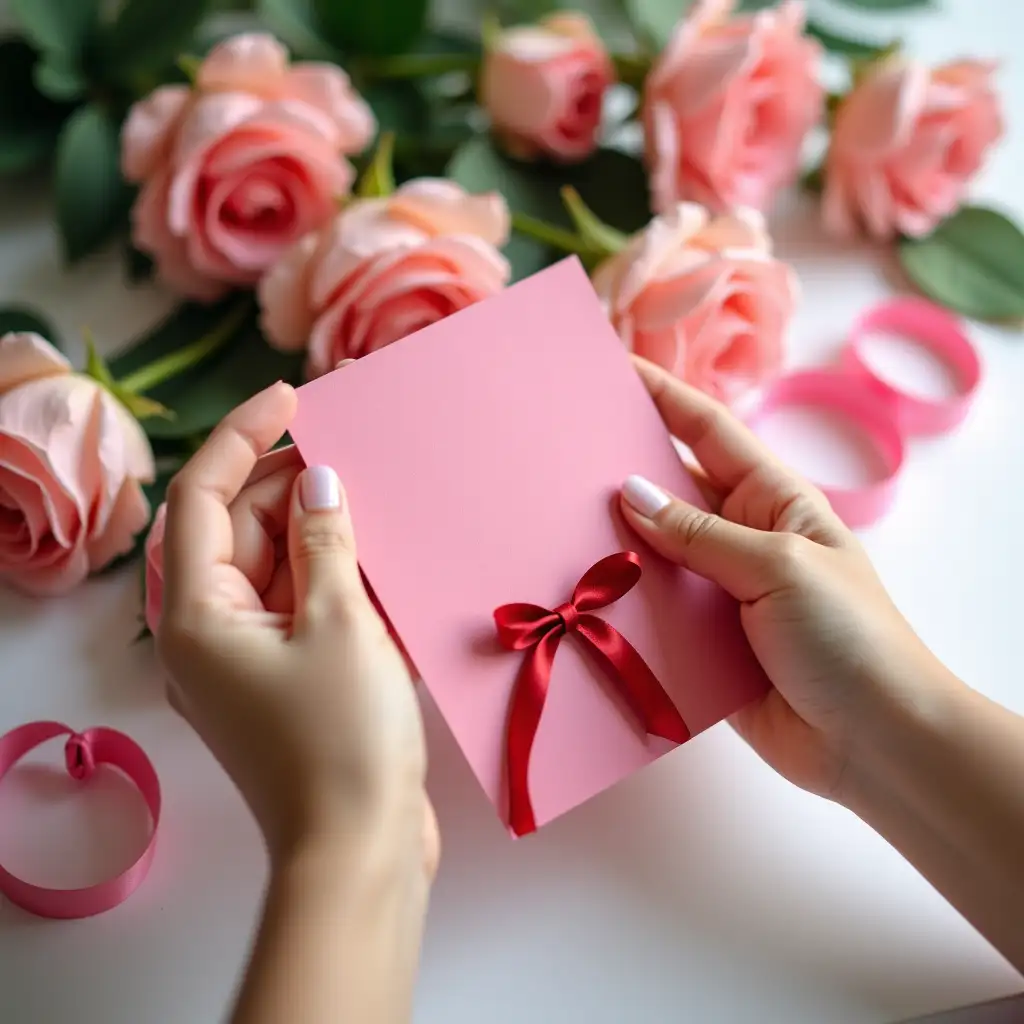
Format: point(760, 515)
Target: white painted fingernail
point(647, 498)
point(319, 489)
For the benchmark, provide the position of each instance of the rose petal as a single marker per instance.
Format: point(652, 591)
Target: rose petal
point(148, 130)
point(25, 356)
point(251, 62)
point(327, 88)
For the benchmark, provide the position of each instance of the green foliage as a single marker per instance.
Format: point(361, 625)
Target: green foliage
point(846, 46)
point(973, 263)
point(612, 184)
point(378, 28)
point(148, 35)
point(92, 199)
point(201, 396)
point(294, 22)
point(29, 121)
point(58, 26)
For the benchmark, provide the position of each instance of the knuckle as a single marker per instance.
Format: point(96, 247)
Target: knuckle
point(175, 488)
point(790, 554)
point(692, 526)
point(338, 604)
point(323, 535)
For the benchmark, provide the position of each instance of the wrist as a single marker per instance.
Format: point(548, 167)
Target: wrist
point(904, 729)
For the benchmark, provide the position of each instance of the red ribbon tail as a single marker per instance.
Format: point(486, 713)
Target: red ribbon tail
point(636, 682)
point(531, 691)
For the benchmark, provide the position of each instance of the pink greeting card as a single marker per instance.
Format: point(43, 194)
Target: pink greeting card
point(483, 457)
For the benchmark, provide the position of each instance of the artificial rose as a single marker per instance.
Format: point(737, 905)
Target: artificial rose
point(155, 570)
point(234, 170)
point(71, 461)
point(543, 86)
point(906, 142)
point(727, 105)
point(704, 298)
point(383, 269)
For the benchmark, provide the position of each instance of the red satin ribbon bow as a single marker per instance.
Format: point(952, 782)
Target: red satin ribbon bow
point(540, 630)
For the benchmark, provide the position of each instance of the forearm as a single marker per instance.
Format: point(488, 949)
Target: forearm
point(942, 779)
point(339, 938)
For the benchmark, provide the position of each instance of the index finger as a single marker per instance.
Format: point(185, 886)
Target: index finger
point(725, 447)
point(199, 534)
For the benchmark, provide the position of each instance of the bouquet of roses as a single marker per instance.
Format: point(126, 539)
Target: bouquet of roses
point(334, 176)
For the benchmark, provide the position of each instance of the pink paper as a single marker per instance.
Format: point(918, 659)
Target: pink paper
point(482, 458)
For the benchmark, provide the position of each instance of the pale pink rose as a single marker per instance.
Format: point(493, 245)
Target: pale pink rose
point(727, 106)
point(236, 169)
point(543, 86)
point(155, 569)
point(906, 142)
point(383, 269)
point(71, 461)
point(703, 298)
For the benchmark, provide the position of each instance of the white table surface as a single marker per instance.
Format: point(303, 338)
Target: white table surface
point(703, 889)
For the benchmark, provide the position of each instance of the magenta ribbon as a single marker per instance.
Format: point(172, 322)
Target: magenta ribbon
point(82, 752)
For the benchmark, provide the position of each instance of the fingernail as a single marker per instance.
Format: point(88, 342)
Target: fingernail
point(343, 362)
point(319, 489)
point(644, 496)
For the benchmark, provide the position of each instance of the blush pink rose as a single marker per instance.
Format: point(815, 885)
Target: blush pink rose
point(155, 570)
point(383, 269)
point(71, 462)
point(906, 142)
point(543, 86)
point(236, 169)
point(727, 106)
point(703, 298)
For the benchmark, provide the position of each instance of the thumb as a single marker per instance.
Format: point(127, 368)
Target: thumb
point(742, 561)
point(322, 551)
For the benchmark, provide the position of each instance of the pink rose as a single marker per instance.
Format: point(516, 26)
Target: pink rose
point(155, 570)
point(906, 142)
point(238, 168)
point(727, 105)
point(703, 298)
point(383, 269)
point(544, 85)
point(71, 461)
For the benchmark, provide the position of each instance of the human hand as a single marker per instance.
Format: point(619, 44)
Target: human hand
point(277, 657)
point(817, 616)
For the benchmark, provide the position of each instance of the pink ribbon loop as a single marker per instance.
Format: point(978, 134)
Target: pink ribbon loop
point(883, 412)
point(82, 753)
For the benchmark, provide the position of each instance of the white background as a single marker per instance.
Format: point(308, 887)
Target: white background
point(703, 889)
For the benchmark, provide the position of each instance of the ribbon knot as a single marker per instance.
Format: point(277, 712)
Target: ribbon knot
point(539, 631)
point(78, 757)
point(569, 615)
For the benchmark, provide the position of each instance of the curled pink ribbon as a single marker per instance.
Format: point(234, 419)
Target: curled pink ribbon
point(882, 411)
point(82, 752)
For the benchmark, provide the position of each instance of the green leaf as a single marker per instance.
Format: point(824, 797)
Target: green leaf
point(58, 77)
point(612, 184)
point(29, 121)
point(58, 26)
point(185, 325)
point(294, 23)
point(887, 5)
point(654, 20)
point(24, 148)
point(399, 107)
point(147, 34)
point(203, 395)
point(376, 27)
point(91, 197)
point(844, 46)
point(22, 319)
point(201, 399)
point(973, 263)
point(378, 180)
